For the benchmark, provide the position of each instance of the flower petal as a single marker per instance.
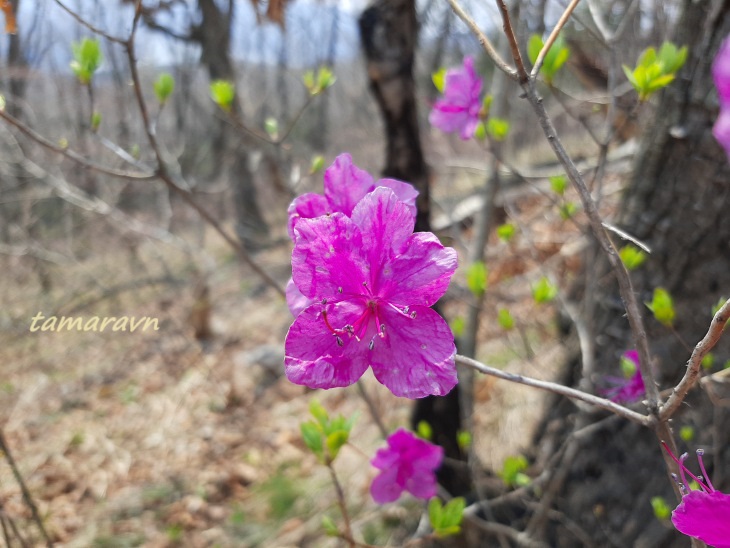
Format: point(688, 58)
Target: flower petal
point(306, 206)
point(721, 129)
point(405, 192)
point(721, 72)
point(385, 486)
point(295, 300)
point(385, 223)
point(420, 275)
point(422, 485)
point(313, 356)
point(327, 259)
point(705, 516)
point(415, 358)
point(345, 184)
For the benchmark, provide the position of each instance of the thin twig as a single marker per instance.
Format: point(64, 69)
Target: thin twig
point(83, 22)
point(695, 362)
point(342, 502)
point(23, 489)
point(633, 416)
point(483, 40)
point(553, 36)
point(522, 76)
point(371, 407)
point(73, 155)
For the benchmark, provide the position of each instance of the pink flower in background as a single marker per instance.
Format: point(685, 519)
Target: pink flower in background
point(345, 185)
point(459, 108)
point(627, 390)
point(703, 513)
point(372, 282)
point(721, 75)
point(407, 464)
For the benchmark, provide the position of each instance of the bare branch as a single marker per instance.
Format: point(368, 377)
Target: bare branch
point(85, 23)
point(633, 416)
point(695, 361)
point(512, 39)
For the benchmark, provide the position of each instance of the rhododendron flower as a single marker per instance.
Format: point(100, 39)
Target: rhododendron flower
point(345, 184)
point(408, 464)
point(721, 75)
point(459, 108)
point(627, 390)
point(373, 281)
point(703, 513)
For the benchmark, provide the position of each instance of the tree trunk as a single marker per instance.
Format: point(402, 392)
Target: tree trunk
point(676, 203)
point(389, 33)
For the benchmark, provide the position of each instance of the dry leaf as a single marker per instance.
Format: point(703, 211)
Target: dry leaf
point(11, 26)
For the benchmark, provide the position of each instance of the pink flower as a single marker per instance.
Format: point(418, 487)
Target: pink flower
point(627, 390)
point(459, 108)
point(704, 513)
point(345, 185)
point(408, 464)
point(373, 282)
point(721, 75)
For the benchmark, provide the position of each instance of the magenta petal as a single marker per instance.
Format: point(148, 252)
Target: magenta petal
point(410, 280)
point(326, 259)
point(385, 487)
point(385, 222)
point(405, 192)
point(458, 109)
point(422, 485)
point(705, 516)
point(721, 73)
point(313, 356)
point(721, 129)
point(345, 184)
point(416, 357)
point(295, 300)
point(306, 206)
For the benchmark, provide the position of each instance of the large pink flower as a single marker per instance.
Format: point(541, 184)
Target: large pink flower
point(345, 184)
point(372, 281)
point(704, 513)
point(408, 464)
point(459, 108)
point(626, 390)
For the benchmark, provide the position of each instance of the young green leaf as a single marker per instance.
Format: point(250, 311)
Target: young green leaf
point(632, 256)
point(708, 361)
point(463, 440)
point(319, 412)
point(662, 306)
point(506, 231)
point(554, 59)
point(95, 120)
point(457, 325)
point(335, 441)
point(662, 511)
point(317, 164)
point(505, 319)
point(435, 511)
point(476, 278)
point(558, 184)
point(87, 57)
point(330, 529)
point(439, 79)
point(164, 86)
point(424, 430)
point(271, 126)
point(312, 436)
point(223, 93)
point(687, 433)
point(568, 210)
point(497, 128)
point(480, 132)
point(512, 471)
point(628, 367)
point(543, 291)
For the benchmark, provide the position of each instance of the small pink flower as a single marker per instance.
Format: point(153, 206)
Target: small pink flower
point(626, 390)
point(407, 464)
point(459, 108)
point(704, 513)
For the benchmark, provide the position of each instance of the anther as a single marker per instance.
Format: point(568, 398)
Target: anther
point(371, 344)
point(339, 290)
point(339, 340)
point(413, 315)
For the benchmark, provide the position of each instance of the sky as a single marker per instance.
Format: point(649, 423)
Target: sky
point(47, 32)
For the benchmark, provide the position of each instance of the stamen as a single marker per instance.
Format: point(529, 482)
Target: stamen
point(339, 290)
point(371, 344)
point(683, 468)
point(705, 475)
point(327, 323)
point(413, 315)
point(339, 340)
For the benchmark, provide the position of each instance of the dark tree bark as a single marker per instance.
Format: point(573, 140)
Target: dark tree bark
point(389, 33)
point(676, 203)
